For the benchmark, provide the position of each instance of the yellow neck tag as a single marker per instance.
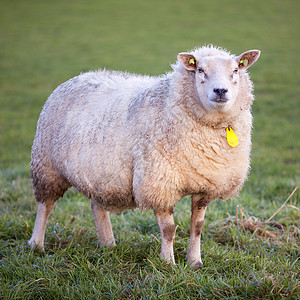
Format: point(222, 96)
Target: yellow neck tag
point(232, 138)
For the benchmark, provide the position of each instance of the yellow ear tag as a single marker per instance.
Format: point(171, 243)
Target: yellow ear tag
point(191, 61)
point(232, 138)
point(244, 62)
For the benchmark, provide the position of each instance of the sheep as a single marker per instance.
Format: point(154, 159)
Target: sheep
point(128, 141)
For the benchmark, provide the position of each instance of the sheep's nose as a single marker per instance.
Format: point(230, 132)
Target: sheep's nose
point(220, 92)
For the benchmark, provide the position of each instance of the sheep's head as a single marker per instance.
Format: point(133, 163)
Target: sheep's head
point(217, 77)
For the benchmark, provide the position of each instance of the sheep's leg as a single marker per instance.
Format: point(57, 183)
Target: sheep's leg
point(103, 225)
point(197, 220)
point(38, 235)
point(165, 220)
point(48, 186)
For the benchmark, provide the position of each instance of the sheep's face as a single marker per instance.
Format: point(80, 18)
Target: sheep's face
point(217, 77)
point(217, 82)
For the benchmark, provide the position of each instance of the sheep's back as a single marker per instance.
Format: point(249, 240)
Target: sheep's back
point(82, 135)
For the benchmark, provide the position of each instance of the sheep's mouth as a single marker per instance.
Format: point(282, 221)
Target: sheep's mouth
point(220, 100)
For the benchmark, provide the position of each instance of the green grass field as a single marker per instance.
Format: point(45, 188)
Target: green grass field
point(44, 43)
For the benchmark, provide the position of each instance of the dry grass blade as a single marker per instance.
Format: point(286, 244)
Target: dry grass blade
point(290, 196)
point(292, 206)
point(268, 229)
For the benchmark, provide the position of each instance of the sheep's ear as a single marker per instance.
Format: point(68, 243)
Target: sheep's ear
point(247, 59)
point(188, 61)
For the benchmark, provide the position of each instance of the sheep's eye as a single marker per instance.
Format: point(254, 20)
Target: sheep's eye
point(200, 70)
point(235, 71)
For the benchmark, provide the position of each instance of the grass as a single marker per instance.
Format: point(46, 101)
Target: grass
point(46, 43)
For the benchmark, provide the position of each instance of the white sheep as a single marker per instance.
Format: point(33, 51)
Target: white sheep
point(127, 141)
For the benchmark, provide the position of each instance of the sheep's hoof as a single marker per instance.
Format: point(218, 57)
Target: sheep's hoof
point(107, 244)
point(196, 264)
point(35, 247)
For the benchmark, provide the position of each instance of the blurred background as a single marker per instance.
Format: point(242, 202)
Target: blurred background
point(44, 43)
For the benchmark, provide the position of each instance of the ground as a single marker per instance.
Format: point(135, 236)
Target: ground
point(45, 43)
